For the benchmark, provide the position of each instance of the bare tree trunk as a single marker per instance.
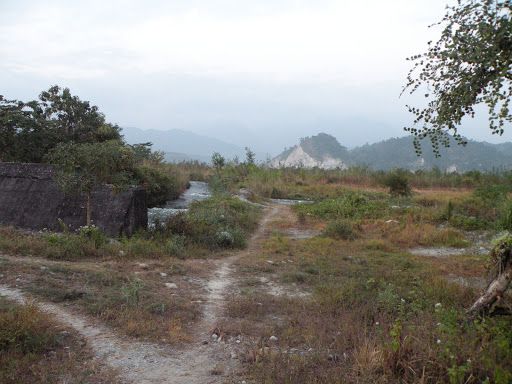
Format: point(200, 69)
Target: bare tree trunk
point(88, 209)
point(502, 277)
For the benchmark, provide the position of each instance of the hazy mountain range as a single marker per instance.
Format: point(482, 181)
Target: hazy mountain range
point(324, 151)
point(181, 145)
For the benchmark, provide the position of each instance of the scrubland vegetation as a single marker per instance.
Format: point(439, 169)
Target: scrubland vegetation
point(368, 279)
point(334, 291)
point(374, 312)
point(350, 303)
point(300, 183)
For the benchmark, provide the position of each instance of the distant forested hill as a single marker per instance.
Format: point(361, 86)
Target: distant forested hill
point(323, 145)
point(399, 153)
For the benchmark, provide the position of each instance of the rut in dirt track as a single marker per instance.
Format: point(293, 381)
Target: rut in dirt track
point(140, 362)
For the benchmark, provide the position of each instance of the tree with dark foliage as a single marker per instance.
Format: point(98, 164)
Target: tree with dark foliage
point(470, 65)
point(29, 130)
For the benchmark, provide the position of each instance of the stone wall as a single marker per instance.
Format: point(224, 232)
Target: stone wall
point(30, 198)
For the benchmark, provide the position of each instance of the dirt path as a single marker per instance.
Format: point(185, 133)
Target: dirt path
point(204, 360)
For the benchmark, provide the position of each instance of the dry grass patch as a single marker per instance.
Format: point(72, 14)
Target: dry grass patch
point(411, 233)
point(35, 349)
point(132, 298)
point(377, 315)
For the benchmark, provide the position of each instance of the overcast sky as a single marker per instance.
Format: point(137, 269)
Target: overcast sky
point(258, 73)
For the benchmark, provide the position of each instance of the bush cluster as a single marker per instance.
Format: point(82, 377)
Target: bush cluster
point(350, 205)
point(340, 229)
point(488, 207)
point(398, 183)
point(161, 183)
point(219, 222)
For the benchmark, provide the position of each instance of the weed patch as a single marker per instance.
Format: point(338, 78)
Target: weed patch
point(33, 349)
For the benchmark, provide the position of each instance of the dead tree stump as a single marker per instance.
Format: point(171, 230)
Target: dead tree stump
point(500, 277)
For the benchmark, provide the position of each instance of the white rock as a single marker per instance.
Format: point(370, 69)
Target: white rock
point(270, 262)
point(273, 338)
point(163, 274)
point(171, 285)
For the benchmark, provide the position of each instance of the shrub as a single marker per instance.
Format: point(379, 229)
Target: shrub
point(131, 291)
point(176, 246)
point(218, 185)
point(218, 222)
point(505, 216)
point(491, 193)
point(160, 184)
point(24, 329)
point(276, 193)
point(224, 239)
point(398, 183)
point(68, 246)
point(350, 205)
point(449, 210)
point(469, 223)
point(340, 229)
point(94, 234)
point(138, 246)
point(178, 224)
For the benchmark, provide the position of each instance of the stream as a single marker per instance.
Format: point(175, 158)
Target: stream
point(198, 191)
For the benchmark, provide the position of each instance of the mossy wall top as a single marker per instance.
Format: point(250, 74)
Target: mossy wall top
point(30, 198)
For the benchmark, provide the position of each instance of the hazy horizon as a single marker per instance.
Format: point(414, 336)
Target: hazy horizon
point(237, 71)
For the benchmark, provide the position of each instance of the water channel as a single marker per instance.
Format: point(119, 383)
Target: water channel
point(198, 190)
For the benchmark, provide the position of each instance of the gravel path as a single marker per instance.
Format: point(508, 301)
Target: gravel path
point(140, 362)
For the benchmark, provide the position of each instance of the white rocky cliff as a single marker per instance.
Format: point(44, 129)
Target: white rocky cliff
point(322, 151)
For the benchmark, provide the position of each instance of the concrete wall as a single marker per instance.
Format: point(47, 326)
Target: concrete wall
point(30, 198)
